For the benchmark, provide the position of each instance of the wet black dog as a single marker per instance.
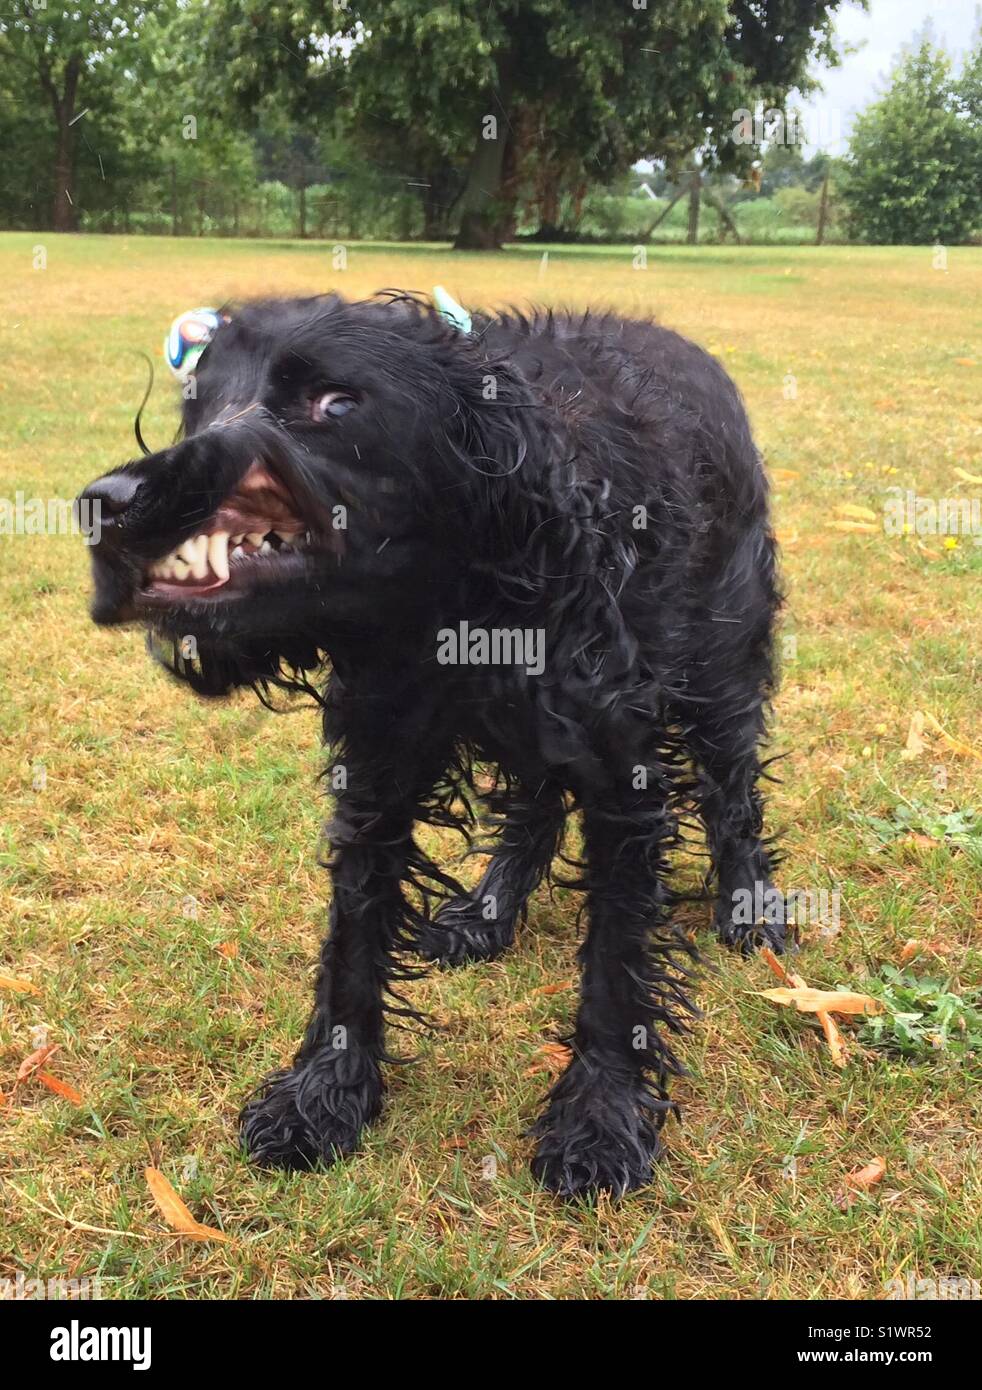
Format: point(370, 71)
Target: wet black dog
point(542, 545)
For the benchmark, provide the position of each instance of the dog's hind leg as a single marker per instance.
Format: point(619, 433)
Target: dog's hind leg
point(600, 1128)
point(730, 678)
point(481, 925)
point(749, 911)
point(315, 1110)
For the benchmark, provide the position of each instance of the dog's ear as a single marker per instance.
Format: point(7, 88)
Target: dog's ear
point(215, 669)
point(497, 451)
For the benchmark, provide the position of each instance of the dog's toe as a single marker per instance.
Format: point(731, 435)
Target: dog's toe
point(596, 1136)
point(459, 934)
point(747, 940)
point(301, 1118)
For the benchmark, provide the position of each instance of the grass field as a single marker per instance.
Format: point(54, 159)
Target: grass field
point(124, 799)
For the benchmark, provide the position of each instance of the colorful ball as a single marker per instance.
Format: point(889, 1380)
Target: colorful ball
point(189, 335)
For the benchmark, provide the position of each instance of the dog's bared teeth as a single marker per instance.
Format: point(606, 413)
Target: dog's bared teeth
point(180, 569)
point(266, 548)
point(256, 538)
point(166, 567)
point(218, 553)
point(237, 540)
point(199, 556)
point(236, 552)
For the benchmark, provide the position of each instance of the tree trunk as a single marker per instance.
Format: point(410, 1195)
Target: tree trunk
point(485, 209)
point(695, 190)
point(64, 214)
point(303, 211)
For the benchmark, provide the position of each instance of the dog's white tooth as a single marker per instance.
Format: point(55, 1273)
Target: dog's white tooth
point(199, 556)
point(218, 553)
point(180, 569)
point(265, 548)
point(185, 551)
point(237, 540)
point(255, 538)
point(236, 552)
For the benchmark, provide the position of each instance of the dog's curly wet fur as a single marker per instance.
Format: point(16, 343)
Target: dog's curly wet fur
point(585, 479)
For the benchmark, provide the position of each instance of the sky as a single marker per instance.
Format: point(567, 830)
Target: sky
point(878, 35)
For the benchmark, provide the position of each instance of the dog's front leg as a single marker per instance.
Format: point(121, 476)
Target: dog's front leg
point(599, 1131)
point(317, 1109)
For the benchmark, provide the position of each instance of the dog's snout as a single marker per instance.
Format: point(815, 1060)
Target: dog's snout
point(112, 494)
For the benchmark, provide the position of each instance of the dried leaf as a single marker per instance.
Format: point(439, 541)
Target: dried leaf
point(918, 841)
point(964, 750)
point(858, 513)
point(865, 528)
point(554, 989)
point(861, 1180)
point(965, 361)
point(553, 1058)
point(228, 949)
point(18, 986)
point(174, 1212)
point(784, 475)
point(911, 949)
point(835, 1040)
point(36, 1060)
point(787, 976)
point(833, 1001)
point(967, 477)
point(60, 1088)
point(915, 744)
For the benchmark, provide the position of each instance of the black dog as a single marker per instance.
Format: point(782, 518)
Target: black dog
point(543, 546)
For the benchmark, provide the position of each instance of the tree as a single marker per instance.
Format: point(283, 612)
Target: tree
point(69, 57)
point(915, 155)
point(546, 95)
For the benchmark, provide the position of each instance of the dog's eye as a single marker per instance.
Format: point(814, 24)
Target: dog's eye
point(331, 405)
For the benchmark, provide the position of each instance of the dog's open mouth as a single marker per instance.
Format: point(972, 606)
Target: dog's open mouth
point(255, 534)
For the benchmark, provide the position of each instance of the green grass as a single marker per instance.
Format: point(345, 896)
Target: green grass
point(151, 798)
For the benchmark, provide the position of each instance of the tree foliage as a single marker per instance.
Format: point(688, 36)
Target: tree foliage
point(525, 99)
point(916, 154)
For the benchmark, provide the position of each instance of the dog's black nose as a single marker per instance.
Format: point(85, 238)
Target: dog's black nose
point(113, 493)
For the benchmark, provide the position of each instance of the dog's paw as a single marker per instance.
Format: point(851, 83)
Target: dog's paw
point(301, 1117)
point(460, 934)
point(751, 917)
point(597, 1134)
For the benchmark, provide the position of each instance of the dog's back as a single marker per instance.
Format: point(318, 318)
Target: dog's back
point(655, 422)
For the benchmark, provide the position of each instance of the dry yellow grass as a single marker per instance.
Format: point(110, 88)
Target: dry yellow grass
point(860, 373)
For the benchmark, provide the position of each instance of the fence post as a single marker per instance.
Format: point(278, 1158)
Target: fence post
point(823, 210)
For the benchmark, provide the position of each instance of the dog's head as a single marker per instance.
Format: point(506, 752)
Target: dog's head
point(342, 469)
